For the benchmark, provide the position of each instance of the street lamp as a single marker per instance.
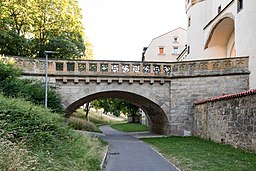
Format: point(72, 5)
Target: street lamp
point(46, 75)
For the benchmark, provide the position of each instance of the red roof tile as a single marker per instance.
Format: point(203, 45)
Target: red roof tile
point(228, 96)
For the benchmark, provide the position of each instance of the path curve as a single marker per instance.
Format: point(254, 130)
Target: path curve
point(127, 153)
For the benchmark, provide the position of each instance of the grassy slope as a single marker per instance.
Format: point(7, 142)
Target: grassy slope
point(95, 118)
point(38, 139)
point(130, 127)
point(191, 153)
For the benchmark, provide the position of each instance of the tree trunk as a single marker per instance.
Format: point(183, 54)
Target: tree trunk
point(87, 107)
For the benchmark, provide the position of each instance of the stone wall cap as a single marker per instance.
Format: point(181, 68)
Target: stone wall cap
point(228, 96)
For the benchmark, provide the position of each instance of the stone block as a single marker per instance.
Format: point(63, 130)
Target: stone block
point(64, 80)
point(76, 80)
point(141, 81)
point(98, 81)
point(130, 81)
point(109, 80)
point(87, 80)
point(120, 81)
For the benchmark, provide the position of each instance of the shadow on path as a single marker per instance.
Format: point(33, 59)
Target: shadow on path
point(127, 153)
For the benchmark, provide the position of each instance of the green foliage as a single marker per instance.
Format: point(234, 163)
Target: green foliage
point(66, 48)
point(46, 137)
point(30, 90)
point(23, 120)
point(16, 157)
point(34, 91)
point(13, 44)
point(130, 127)
point(29, 27)
point(89, 49)
point(81, 124)
point(115, 106)
point(7, 70)
point(192, 153)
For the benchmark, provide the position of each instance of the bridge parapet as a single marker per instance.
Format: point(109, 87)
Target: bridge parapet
point(96, 68)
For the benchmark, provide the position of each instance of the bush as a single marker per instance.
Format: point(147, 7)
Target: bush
point(7, 70)
point(31, 90)
point(15, 157)
point(27, 122)
point(45, 136)
point(81, 124)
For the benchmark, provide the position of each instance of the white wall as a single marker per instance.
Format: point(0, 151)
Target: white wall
point(194, 31)
point(246, 35)
point(166, 41)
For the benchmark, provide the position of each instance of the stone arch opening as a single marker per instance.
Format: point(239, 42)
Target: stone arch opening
point(221, 39)
point(156, 116)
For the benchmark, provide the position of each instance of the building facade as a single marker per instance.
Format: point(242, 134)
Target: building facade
point(222, 28)
point(167, 47)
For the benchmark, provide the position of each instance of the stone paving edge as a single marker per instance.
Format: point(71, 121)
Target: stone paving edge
point(103, 162)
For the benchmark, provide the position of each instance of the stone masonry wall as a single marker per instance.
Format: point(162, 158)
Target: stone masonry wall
point(166, 90)
point(185, 91)
point(228, 119)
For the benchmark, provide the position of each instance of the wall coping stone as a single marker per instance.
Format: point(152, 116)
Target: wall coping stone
point(228, 96)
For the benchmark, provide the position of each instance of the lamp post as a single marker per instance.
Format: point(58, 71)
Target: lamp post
point(46, 76)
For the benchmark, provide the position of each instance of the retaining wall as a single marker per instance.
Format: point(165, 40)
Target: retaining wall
point(228, 119)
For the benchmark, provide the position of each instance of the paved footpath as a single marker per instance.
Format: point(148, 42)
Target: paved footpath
point(127, 153)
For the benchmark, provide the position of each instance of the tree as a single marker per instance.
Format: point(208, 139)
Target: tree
point(40, 24)
point(89, 49)
point(116, 106)
point(19, 15)
point(13, 44)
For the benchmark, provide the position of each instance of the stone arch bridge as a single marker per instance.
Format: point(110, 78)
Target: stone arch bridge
point(164, 91)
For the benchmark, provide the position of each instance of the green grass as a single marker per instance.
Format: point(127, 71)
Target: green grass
point(195, 154)
point(130, 127)
point(81, 124)
point(34, 138)
point(96, 118)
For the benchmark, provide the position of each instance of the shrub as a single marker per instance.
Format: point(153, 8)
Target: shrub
point(34, 91)
point(7, 70)
point(23, 120)
point(45, 136)
point(16, 157)
point(81, 124)
point(31, 90)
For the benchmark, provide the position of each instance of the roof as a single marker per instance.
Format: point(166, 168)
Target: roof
point(169, 32)
point(165, 34)
point(229, 96)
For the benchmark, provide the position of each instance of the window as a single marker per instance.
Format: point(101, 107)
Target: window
point(175, 39)
point(188, 49)
point(175, 50)
point(189, 21)
point(161, 51)
point(219, 9)
point(239, 5)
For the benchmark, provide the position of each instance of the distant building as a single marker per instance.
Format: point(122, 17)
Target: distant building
point(167, 47)
point(222, 28)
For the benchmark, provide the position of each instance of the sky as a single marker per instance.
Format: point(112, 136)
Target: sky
point(119, 29)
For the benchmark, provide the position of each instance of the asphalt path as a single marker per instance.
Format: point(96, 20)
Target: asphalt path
point(128, 153)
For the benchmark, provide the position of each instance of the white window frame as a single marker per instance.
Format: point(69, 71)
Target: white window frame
point(175, 39)
point(175, 50)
